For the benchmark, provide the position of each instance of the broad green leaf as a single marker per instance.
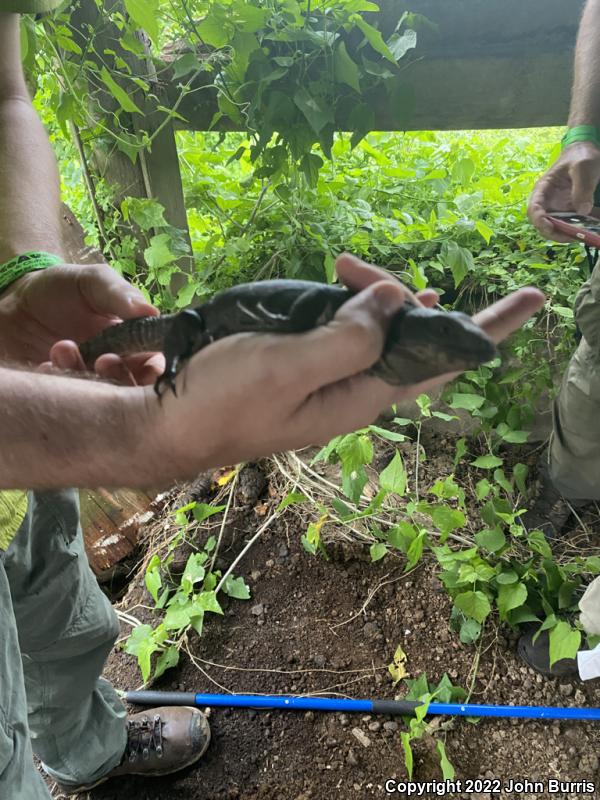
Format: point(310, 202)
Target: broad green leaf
point(378, 551)
point(237, 587)
point(482, 489)
point(487, 462)
point(474, 604)
point(194, 572)
point(463, 171)
point(391, 436)
point(400, 43)
point(375, 39)
point(145, 14)
point(447, 519)
point(470, 402)
point(144, 212)
point(214, 31)
point(393, 478)
point(316, 113)
point(159, 254)
point(564, 642)
point(520, 472)
point(167, 659)
point(118, 93)
point(459, 259)
point(346, 71)
point(415, 551)
point(208, 601)
point(491, 539)
point(485, 230)
point(511, 596)
point(461, 450)
point(470, 631)
point(310, 165)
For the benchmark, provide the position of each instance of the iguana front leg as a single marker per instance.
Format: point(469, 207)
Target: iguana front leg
point(187, 334)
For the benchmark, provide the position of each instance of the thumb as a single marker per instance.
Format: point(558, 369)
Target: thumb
point(110, 295)
point(585, 177)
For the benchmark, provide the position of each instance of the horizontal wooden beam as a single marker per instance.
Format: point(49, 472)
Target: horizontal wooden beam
point(488, 64)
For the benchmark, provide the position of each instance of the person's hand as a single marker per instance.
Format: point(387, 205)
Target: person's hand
point(72, 302)
point(251, 395)
point(568, 185)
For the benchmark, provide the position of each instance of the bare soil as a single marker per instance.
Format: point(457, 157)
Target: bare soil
point(317, 626)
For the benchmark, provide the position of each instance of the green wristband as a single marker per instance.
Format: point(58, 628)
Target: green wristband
point(581, 133)
point(28, 262)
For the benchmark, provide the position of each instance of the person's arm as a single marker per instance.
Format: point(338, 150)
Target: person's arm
point(570, 183)
point(585, 98)
point(29, 184)
point(241, 398)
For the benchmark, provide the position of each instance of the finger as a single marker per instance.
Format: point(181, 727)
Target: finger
point(428, 298)
point(349, 344)
point(585, 175)
point(359, 399)
point(509, 313)
point(111, 367)
point(357, 274)
point(65, 355)
point(538, 211)
point(143, 368)
point(108, 294)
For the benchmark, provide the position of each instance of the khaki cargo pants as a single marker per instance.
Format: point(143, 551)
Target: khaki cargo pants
point(56, 630)
point(574, 457)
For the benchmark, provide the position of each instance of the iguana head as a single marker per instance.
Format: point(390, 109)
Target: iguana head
point(423, 343)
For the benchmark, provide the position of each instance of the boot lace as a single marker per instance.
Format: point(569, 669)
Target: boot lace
point(144, 737)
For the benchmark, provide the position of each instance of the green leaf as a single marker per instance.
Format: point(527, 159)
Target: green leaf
point(310, 164)
point(463, 171)
point(564, 642)
point(145, 14)
point(447, 519)
point(391, 436)
point(470, 402)
point(375, 39)
point(520, 472)
point(118, 93)
point(141, 643)
point(485, 231)
point(415, 551)
point(202, 511)
point(459, 259)
point(237, 587)
point(316, 115)
point(345, 69)
point(159, 254)
point(474, 604)
point(167, 659)
point(208, 601)
point(470, 631)
point(491, 539)
point(194, 572)
point(511, 596)
point(393, 478)
point(482, 489)
point(153, 579)
point(487, 462)
point(144, 212)
point(400, 43)
point(291, 499)
point(408, 754)
point(461, 450)
point(448, 772)
point(378, 551)
point(214, 31)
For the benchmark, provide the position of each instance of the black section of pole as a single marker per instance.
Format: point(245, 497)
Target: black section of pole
point(397, 707)
point(161, 698)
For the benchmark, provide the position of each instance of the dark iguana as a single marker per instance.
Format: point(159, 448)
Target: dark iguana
point(421, 343)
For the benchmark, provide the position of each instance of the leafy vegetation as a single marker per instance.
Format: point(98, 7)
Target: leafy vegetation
point(284, 198)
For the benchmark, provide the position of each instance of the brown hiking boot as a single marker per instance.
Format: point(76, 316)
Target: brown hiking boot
point(159, 741)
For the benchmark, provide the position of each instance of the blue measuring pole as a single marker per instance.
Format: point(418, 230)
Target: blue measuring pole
point(329, 704)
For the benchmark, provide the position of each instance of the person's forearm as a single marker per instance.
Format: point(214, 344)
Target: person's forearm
point(29, 183)
point(58, 431)
point(585, 99)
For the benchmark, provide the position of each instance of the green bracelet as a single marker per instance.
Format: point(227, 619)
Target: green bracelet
point(28, 262)
point(581, 133)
